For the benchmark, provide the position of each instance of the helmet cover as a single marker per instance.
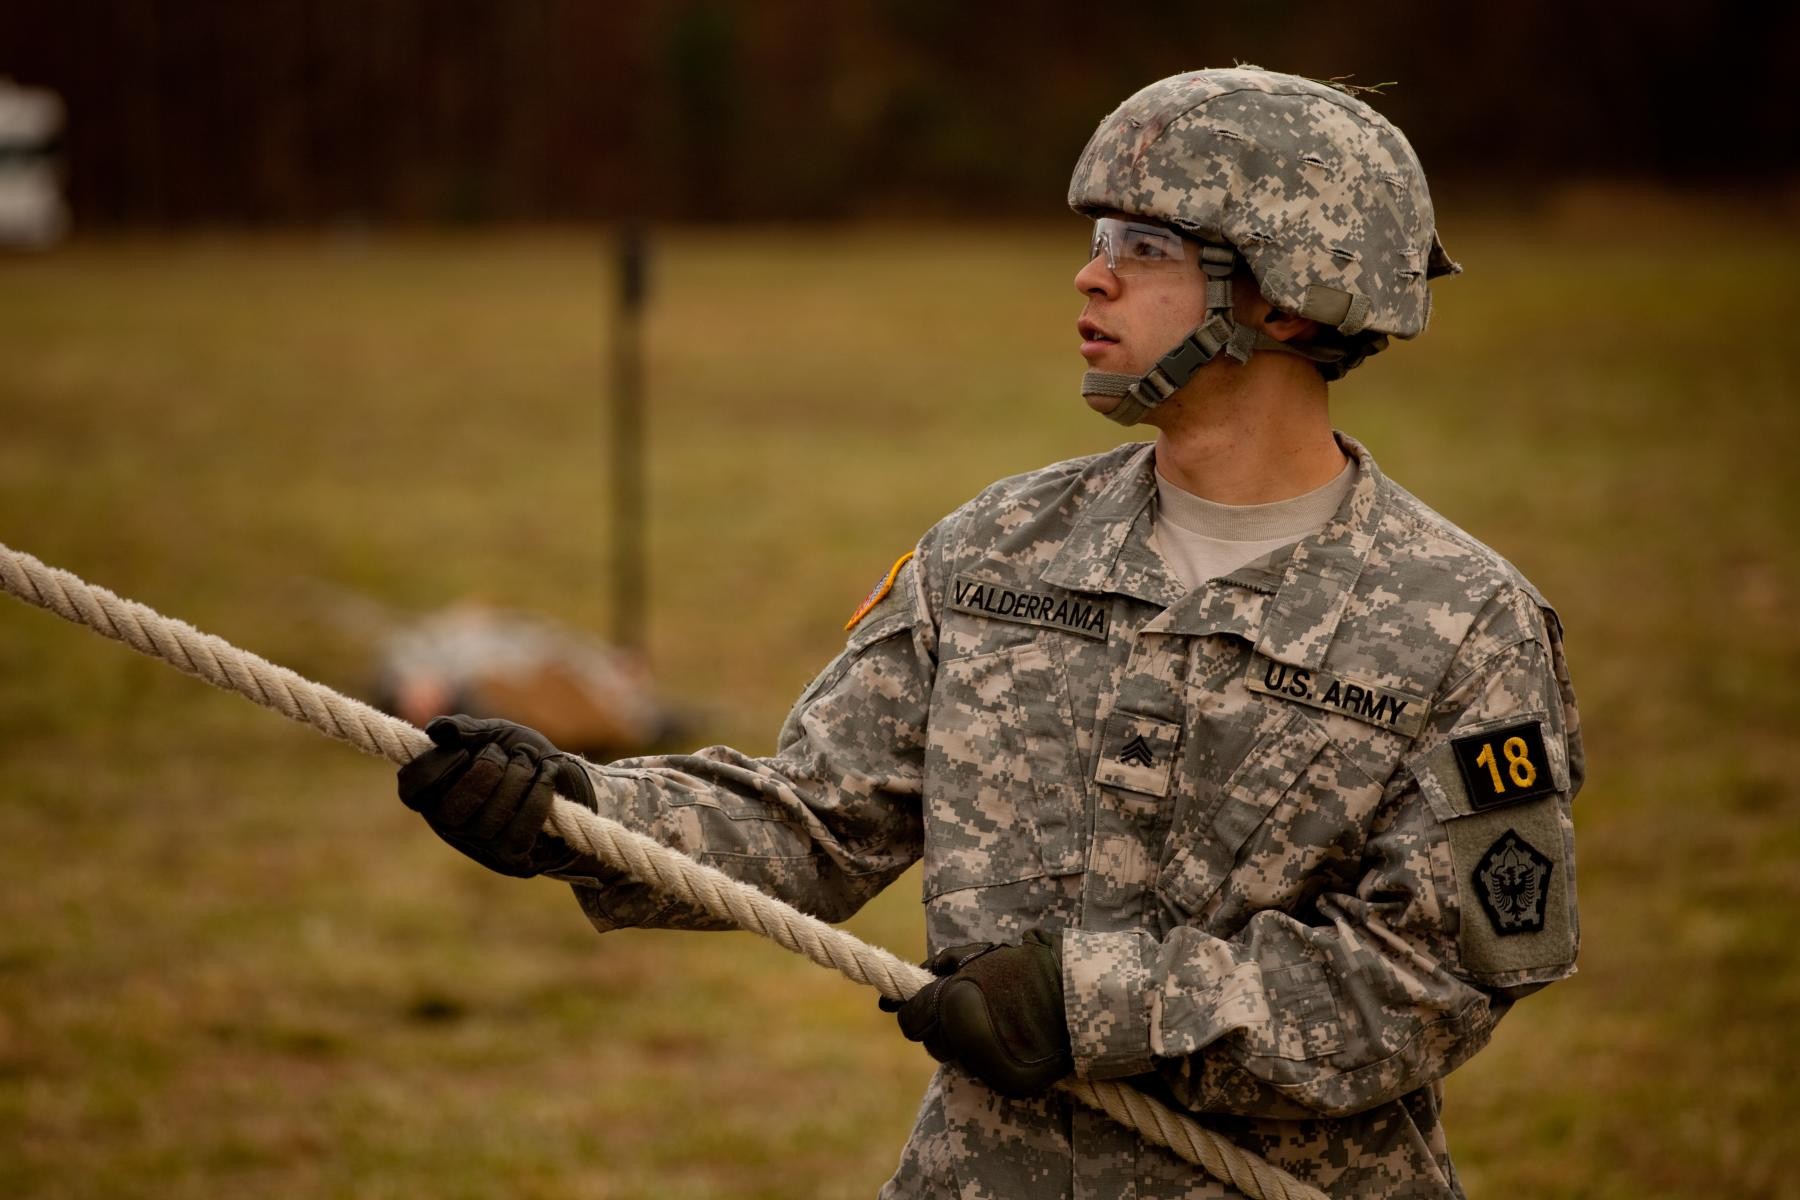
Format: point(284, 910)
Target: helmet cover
point(1320, 194)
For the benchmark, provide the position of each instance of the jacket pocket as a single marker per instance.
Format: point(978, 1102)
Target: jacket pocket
point(1003, 798)
point(1208, 839)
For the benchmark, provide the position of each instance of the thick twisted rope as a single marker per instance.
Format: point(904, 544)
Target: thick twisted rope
point(225, 666)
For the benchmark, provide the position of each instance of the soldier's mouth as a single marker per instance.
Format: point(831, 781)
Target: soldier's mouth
point(1094, 340)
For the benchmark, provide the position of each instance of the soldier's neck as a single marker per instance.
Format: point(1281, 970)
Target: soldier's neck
point(1250, 433)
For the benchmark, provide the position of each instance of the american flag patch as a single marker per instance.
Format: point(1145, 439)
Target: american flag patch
point(881, 589)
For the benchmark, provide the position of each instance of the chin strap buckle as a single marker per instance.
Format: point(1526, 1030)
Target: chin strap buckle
point(1197, 349)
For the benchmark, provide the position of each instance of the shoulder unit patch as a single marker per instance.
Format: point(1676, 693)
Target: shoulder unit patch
point(1512, 881)
point(1495, 792)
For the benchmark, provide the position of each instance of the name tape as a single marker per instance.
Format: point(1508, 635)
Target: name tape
point(1058, 610)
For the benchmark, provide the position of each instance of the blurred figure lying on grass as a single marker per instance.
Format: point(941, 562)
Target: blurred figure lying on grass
point(586, 696)
point(1236, 770)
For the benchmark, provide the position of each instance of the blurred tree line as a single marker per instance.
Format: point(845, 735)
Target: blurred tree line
point(199, 111)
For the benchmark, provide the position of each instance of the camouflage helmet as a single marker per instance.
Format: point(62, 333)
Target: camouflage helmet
point(1321, 197)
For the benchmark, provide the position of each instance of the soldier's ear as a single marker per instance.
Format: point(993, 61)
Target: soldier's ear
point(1286, 328)
point(1248, 304)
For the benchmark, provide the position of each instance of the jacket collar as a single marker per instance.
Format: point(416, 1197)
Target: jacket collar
point(1108, 550)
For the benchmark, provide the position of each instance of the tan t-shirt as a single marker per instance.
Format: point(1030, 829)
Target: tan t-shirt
point(1203, 540)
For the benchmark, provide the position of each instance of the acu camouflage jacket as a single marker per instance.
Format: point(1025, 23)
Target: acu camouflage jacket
point(1305, 829)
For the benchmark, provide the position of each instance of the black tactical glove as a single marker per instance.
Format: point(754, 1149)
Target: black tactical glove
point(998, 1012)
point(486, 786)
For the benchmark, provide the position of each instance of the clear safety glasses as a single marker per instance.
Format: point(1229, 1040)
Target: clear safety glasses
point(1131, 248)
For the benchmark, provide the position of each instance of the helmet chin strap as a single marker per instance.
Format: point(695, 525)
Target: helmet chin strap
point(1137, 395)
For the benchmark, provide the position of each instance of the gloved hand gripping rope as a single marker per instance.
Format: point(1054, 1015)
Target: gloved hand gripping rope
point(223, 665)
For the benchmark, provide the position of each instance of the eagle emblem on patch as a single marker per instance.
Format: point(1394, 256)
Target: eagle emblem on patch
point(1512, 881)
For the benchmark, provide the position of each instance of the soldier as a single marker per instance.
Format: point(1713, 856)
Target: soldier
point(1235, 769)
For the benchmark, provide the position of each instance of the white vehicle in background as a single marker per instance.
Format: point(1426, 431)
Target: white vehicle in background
point(32, 212)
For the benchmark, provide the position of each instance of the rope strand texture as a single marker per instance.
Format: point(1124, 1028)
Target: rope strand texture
point(227, 667)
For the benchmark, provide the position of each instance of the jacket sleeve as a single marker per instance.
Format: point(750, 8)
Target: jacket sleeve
point(826, 823)
point(1464, 901)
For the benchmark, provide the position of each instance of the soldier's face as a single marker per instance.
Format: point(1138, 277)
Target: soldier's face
point(1131, 320)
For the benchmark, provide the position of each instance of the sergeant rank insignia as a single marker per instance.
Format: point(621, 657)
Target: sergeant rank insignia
point(1512, 881)
point(1137, 753)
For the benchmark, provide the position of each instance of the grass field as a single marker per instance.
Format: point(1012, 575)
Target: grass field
point(232, 965)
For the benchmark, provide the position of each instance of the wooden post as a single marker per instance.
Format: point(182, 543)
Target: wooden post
point(630, 566)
